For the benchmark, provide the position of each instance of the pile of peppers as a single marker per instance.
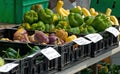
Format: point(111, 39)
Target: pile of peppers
point(101, 22)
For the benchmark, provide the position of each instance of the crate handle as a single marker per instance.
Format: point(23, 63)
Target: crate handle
point(114, 3)
point(97, 2)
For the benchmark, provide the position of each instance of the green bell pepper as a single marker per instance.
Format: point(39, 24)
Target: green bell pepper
point(48, 27)
point(26, 26)
point(101, 22)
point(34, 49)
point(38, 26)
point(91, 29)
point(74, 30)
point(46, 15)
point(36, 7)
point(34, 26)
point(75, 19)
point(62, 25)
point(30, 17)
point(76, 10)
point(89, 19)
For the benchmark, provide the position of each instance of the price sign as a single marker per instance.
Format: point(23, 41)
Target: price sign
point(7, 67)
point(82, 41)
point(50, 53)
point(113, 30)
point(94, 37)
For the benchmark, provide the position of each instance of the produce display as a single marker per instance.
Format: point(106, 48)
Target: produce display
point(77, 20)
point(44, 27)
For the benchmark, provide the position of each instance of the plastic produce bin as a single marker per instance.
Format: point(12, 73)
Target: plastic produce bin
point(38, 64)
point(71, 53)
point(108, 43)
point(41, 65)
point(12, 11)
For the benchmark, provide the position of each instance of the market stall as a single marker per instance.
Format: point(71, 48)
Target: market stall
point(58, 41)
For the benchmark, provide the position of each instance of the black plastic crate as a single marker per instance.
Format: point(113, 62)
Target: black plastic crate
point(15, 70)
point(28, 65)
point(97, 48)
point(24, 62)
point(41, 65)
point(110, 40)
point(108, 43)
point(72, 54)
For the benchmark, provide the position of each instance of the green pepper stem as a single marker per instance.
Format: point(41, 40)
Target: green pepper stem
point(18, 53)
point(29, 46)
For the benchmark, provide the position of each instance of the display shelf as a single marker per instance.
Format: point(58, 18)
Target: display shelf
point(89, 62)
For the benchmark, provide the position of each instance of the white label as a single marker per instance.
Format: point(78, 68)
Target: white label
point(82, 41)
point(113, 30)
point(7, 67)
point(94, 37)
point(50, 53)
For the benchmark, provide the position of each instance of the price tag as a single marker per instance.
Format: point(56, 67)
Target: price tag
point(113, 30)
point(50, 53)
point(82, 41)
point(94, 37)
point(7, 67)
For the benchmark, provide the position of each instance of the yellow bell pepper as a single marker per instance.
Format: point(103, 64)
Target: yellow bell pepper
point(70, 38)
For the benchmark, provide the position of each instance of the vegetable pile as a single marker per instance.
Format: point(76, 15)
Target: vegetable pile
point(40, 37)
point(106, 68)
point(77, 20)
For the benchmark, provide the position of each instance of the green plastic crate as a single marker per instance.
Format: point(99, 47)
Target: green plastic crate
point(116, 8)
point(102, 5)
point(12, 11)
